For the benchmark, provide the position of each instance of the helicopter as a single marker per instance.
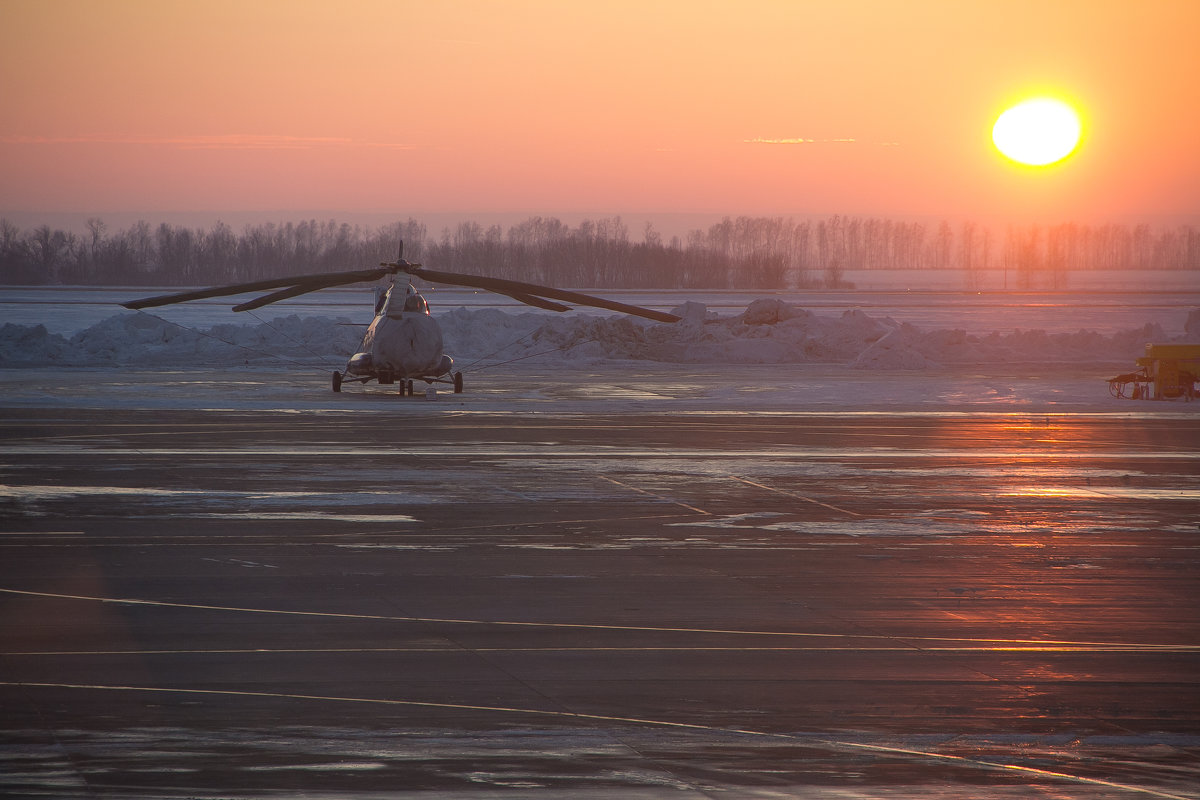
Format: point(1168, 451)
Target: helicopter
point(403, 343)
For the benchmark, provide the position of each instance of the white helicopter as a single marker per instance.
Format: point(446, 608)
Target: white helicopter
point(403, 343)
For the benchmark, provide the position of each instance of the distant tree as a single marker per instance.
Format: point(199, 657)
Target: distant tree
point(970, 260)
point(16, 260)
point(651, 237)
point(48, 248)
point(943, 246)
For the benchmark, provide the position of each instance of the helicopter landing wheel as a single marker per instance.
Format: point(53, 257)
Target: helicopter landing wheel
point(337, 381)
point(406, 388)
point(458, 383)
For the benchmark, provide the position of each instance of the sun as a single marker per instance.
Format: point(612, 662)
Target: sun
point(1037, 132)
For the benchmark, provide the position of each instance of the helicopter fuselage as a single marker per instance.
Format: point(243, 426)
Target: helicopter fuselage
point(403, 342)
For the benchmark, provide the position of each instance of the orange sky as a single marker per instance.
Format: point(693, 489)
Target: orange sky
point(608, 106)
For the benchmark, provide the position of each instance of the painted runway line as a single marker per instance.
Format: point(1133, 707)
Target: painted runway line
point(995, 766)
point(979, 649)
point(1036, 643)
point(656, 496)
point(562, 453)
point(341, 539)
point(794, 495)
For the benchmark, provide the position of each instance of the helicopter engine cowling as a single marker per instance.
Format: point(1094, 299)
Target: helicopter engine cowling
point(360, 364)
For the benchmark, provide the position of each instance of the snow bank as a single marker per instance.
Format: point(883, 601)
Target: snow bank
point(143, 339)
point(768, 332)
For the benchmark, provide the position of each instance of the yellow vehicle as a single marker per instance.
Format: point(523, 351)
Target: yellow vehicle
point(1166, 371)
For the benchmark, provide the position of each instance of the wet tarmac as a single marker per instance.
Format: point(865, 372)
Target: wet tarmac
point(440, 600)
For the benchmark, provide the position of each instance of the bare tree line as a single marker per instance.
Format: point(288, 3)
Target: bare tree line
point(742, 252)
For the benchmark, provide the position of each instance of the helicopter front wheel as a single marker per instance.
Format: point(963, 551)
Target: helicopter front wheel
point(337, 381)
point(458, 383)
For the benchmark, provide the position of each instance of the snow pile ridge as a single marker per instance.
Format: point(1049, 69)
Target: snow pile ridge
point(146, 340)
point(768, 311)
point(30, 344)
point(896, 349)
point(1192, 326)
point(769, 331)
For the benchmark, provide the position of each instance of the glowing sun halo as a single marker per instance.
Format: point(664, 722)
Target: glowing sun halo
point(1037, 132)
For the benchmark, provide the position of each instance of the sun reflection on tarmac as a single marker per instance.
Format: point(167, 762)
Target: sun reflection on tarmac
point(1115, 492)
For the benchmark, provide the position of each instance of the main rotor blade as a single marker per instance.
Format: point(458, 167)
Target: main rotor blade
point(514, 288)
point(530, 293)
point(320, 280)
point(539, 302)
point(291, 291)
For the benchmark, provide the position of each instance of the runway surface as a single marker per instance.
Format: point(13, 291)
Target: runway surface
point(454, 601)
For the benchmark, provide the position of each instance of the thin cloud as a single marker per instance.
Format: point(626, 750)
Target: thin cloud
point(801, 140)
point(797, 140)
point(218, 142)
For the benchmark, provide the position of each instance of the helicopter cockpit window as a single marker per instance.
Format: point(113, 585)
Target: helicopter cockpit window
point(415, 302)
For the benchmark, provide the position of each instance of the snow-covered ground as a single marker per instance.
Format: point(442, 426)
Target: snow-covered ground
point(737, 350)
point(1105, 302)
